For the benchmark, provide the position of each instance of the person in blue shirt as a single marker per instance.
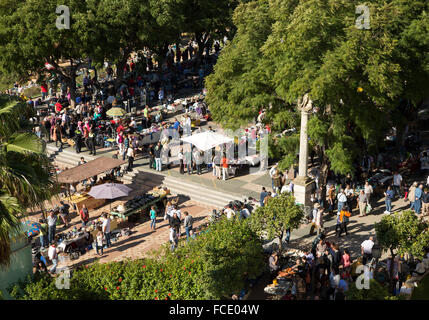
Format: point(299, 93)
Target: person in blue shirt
point(388, 200)
point(263, 195)
point(176, 125)
point(418, 201)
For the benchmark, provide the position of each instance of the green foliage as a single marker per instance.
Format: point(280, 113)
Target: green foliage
point(284, 49)
point(213, 266)
point(280, 213)
point(403, 232)
point(376, 291)
point(25, 180)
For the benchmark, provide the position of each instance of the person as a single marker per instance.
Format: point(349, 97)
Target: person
point(418, 198)
point(397, 181)
point(198, 160)
point(84, 215)
point(106, 229)
point(173, 238)
point(64, 211)
point(43, 233)
point(277, 181)
point(273, 171)
point(91, 142)
point(342, 200)
point(151, 151)
point(224, 162)
point(188, 161)
point(157, 153)
point(188, 223)
point(331, 198)
point(366, 249)
point(53, 256)
point(362, 200)
point(169, 208)
point(181, 157)
point(317, 221)
point(174, 222)
point(412, 195)
point(267, 198)
point(389, 194)
point(273, 262)
point(350, 196)
point(230, 213)
point(52, 226)
point(152, 218)
point(244, 212)
point(99, 242)
point(130, 155)
point(344, 220)
point(425, 202)
point(346, 260)
point(368, 191)
point(262, 196)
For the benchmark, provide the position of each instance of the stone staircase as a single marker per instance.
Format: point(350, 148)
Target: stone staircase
point(141, 180)
point(200, 193)
point(69, 158)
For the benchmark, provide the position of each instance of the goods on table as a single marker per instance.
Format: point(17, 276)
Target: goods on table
point(84, 199)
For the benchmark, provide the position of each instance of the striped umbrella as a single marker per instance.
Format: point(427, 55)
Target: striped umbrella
point(116, 112)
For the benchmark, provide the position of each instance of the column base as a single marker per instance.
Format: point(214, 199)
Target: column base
point(302, 190)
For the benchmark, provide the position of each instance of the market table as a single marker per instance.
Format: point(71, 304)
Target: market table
point(87, 200)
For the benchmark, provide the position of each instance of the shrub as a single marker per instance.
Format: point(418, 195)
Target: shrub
point(213, 266)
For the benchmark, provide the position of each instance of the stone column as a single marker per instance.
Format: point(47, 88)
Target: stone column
point(303, 184)
point(303, 145)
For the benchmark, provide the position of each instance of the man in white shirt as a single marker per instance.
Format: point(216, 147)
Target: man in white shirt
point(53, 256)
point(106, 230)
point(397, 181)
point(342, 200)
point(230, 213)
point(366, 249)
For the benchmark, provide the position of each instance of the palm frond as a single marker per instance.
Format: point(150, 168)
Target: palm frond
point(9, 224)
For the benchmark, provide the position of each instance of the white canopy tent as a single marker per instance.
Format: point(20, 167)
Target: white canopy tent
point(207, 140)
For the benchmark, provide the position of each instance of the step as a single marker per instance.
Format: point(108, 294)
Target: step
point(204, 200)
point(197, 187)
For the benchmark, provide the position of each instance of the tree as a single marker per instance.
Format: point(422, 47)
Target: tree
point(207, 19)
point(402, 233)
point(25, 180)
point(212, 266)
point(356, 78)
point(30, 38)
point(280, 214)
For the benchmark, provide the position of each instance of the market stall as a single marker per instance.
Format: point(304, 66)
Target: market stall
point(134, 207)
point(85, 172)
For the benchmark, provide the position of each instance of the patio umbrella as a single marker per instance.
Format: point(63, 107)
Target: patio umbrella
point(32, 228)
point(116, 112)
point(207, 140)
point(109, 191)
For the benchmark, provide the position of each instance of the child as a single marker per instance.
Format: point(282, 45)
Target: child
point(153, 218)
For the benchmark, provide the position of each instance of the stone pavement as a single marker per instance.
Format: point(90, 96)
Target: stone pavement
point(142, 239)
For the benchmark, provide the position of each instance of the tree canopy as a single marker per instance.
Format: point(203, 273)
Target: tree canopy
point(279, 214)
point(355, 77)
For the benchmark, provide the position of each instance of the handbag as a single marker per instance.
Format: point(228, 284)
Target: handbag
point(368, 208)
